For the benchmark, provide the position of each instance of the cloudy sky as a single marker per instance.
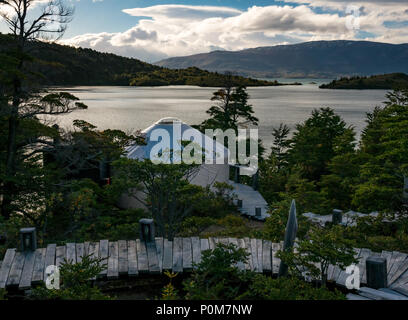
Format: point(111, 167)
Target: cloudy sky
point(152, 30)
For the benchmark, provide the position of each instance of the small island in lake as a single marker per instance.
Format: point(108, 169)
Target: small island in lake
point(384, 81)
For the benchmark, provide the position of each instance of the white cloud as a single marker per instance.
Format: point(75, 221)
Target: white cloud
point(182, 12)
point(174, 30)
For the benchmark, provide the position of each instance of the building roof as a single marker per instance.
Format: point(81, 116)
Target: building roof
point(176, 131)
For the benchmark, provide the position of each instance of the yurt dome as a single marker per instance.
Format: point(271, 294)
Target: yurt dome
point(208, 173)
point(185, 133)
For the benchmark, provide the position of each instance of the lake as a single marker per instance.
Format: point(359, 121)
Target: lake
point(133, 108)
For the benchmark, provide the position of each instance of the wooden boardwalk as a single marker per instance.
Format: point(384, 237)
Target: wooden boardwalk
point(131, 258)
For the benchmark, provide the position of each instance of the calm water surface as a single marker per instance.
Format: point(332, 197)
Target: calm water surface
point(133, 108)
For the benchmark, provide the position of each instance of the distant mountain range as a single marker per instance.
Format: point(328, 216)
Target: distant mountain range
point(318, 59)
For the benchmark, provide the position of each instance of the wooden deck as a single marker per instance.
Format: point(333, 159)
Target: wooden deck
point(131, 258)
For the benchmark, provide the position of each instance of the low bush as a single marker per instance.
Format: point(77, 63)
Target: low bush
point(75, 282)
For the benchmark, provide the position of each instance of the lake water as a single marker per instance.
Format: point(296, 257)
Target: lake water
point(133, 108)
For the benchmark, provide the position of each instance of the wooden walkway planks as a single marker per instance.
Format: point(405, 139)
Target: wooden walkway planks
point(71, 253)
point(247, 242)
point(16, 269)
point(266, 256)
point(205, 245)
point(387, 255)
point(178, 255)
point(341, 275)
point(379, 295)
point(254, 255)
point(142, 262)
point(259, 248)
point(86, 248)
point(240, 265)
point(398, 267)
point(26, 276)
point(159, 248)
point(275, 260)
point(401, 281)
point(167, 254)
point(80, 251)
point(60, 255)
point(39, 265)
point(187, 254)
point(242, 245)
point(93, 250)
point(152, 259)
point(196, 248)
point(50, 255)
point(133, 257)
point(211, 242)
point(104, 254)
point(123, 265)
point(5, 267)
point(113, 260)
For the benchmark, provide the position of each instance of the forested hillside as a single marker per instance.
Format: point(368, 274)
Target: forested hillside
point(65, 65)
point(383, 81)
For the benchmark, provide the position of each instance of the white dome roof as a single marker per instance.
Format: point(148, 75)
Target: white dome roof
point(186, 132)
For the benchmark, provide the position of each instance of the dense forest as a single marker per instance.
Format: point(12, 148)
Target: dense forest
point(194, 77)
point(384, 81)
point(64, 65)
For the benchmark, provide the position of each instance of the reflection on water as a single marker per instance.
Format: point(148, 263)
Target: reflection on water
point(133, 108)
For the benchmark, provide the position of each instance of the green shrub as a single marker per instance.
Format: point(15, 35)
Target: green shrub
point(3, 293)
point(377, 234)
point(217, 276)
point(266, 288)
point(10, 229)
point(194, 226)
point(215, 203)
point(324, 247)
point(275, 225)
point(169, 292)
point(75, 282)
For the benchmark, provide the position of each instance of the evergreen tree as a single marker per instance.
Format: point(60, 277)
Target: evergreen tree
point(280, 144)
point(385, 145)
point(231, 108)
point(314, 142)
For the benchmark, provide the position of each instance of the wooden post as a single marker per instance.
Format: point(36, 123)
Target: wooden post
point(147, 231)
point(28, 239)
point(240, 203)
point(376, 272)
point(337, 216)
point(290, 236)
